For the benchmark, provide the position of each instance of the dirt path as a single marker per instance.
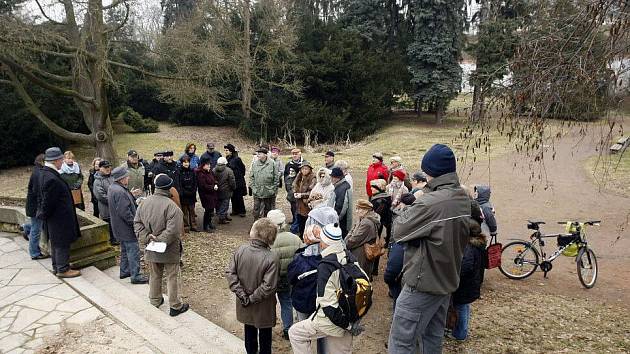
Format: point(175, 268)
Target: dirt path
point(571, 195)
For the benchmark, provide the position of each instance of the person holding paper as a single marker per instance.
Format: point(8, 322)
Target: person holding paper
point(159, 220)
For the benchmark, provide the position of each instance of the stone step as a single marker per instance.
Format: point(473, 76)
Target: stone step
point(141, 307)
point(114, 307)
point(220, 339)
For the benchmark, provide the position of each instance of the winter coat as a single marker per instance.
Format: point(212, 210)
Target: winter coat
point(396, 191)
point(285, 246)
point(168, 168)
point(225, 180)
point(328, 317)
point(101, 185)
point(194, 159)
point(375, 171)
point(264, 180)
point(343, 205)
point(56, 209)
point(205, 183)
point(253, 273)
point(72, 175)
point(32, 196)
point(324, 187)
point(303, 185)
point(136, 176)
point(295, 165)
point(382, 203)
point(122, 210)
point(238, 168)
point(186, 185)
point(159, 216)
point(393, 269)
point(212, 157)
point(471, 275)
point(489, 225)
point(435, 230)
point(364, 231)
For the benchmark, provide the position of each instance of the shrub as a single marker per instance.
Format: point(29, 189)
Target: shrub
point(138, 123)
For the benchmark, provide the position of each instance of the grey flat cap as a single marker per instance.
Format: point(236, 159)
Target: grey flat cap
point(52, 154)
point(119, 173)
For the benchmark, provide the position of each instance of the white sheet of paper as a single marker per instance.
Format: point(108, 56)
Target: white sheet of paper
point(158, 247)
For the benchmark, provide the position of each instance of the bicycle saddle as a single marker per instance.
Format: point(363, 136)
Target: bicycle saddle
point(534, 225)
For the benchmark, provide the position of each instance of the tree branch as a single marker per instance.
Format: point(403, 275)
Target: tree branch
point(41, 9)
point(34, 109)
point(147, 73)
point(48, 74)
point(36, 80)
point(122, 24)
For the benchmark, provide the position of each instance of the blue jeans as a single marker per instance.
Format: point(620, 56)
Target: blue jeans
point(222, 208)
point(295, 225)
point(463, 316)
point(33, 237)
point(286, 309)
point(130, 259)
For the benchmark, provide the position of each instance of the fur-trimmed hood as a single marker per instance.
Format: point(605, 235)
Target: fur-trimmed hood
point(479, 241)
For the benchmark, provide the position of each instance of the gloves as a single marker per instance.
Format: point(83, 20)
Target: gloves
point(356, 328)
point(244, 299)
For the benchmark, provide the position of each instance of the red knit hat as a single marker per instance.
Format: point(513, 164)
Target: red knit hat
point(400, 174)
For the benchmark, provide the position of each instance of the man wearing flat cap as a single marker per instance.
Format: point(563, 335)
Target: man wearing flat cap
point(102, 181)
point(159, 219)
point(264, 183)
point(122, 210)
point(56, 210)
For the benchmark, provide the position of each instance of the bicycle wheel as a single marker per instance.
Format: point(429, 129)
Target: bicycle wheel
point(587, 267)
point(518, 260)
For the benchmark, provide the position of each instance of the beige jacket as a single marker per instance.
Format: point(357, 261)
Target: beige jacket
point(158, 215)
point(328, 297)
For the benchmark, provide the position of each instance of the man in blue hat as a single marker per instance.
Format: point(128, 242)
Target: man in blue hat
point(434, 231)
point(56, 210)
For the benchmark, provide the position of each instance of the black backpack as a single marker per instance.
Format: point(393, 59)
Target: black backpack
point(355, 295)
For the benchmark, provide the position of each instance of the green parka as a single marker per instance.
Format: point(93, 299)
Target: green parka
point(264, 179)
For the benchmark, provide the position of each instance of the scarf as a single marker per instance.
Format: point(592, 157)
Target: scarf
point(51, 165)
point(67, 169)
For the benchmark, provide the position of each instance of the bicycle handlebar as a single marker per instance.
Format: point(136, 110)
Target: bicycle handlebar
point(590, 223)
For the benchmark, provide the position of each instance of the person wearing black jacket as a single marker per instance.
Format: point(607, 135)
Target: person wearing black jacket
point(470, 279)
point(90, 183)
point(238, 167)
point(186, 185)
point(167, 166)
point(56, 210)
point(150, 172)
point(32, 200)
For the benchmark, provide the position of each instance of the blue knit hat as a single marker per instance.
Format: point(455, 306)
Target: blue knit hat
point(439, 160)
point(331, 234)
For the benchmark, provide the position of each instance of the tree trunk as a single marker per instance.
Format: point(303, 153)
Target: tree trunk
point(246, 81)
point(478, 110)
point(439, 114)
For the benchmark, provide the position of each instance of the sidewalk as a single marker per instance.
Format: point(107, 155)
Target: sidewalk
point(35, 304)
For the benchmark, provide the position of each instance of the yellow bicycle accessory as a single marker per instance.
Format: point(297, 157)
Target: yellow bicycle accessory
point(572, 249)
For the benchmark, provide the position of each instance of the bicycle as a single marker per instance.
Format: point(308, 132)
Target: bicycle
point(520, 259)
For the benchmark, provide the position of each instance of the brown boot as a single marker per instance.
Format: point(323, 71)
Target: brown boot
point(70, 273)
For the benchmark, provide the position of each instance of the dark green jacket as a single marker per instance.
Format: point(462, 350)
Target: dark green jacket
point(435, 231)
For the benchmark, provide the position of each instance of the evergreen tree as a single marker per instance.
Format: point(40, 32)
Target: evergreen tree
point(435, 52)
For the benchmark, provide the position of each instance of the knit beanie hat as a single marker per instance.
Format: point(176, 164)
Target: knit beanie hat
point(222, 161)
point(277, 217)
point(163, 181)
point(336, 172)
point(400, 174)
point(439, 160)
point(331, 234)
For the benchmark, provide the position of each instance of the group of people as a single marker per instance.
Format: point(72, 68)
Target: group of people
point(434, 230)
point(436, 235)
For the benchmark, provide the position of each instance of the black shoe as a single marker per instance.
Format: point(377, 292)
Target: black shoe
point(124, 276)
point(183, 309)
point(24, 236)
point(143, 279)
point(242, 215)
point(41, 256)
point(161, 302)
point(285, 334)
point(114, 243)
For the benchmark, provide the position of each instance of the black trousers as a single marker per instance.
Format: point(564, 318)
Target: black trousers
point(95, 207)
point(255, 336)
point(302, 222)
point(60, 256)
point(238, 204)
point(112, 239)
point(207, 218)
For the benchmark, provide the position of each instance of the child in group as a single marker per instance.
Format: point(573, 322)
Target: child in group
point(253, 277)
point(396, 188)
